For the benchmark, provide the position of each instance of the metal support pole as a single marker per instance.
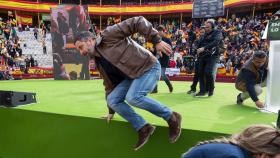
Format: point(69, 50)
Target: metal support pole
point(181, 20)
point(227, 12)
point(254, 10)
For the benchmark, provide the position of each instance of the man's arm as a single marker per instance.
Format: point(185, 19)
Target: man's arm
point(130, 26)
point(250, 79)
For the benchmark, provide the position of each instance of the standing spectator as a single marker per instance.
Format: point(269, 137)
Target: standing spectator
point(13, 33)
point(44, 46)
point(7, 34)
point(179, 63)
point(35, 30)
point(19, 27)
point(44, 31)
point(32, 61)
point(208, 62)
point(164, 60)
point(19, 50)
point(27, 65)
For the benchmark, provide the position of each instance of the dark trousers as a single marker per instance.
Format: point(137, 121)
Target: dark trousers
point(84, 74)
point(165, 78)
point(196, 75)
point(206, 78)
point(36, 35)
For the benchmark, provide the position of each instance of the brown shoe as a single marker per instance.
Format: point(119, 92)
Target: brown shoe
point(143, 135)
point(174, 127)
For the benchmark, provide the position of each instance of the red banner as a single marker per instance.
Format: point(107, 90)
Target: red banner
point(33, 73)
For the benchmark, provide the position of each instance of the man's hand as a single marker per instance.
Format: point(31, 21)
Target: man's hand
point(109, 117)
point(200, 50)
point(163, 47)
point(259, 104)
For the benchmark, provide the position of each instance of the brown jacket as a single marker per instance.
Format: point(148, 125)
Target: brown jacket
point(116, 46)
point(249, 65)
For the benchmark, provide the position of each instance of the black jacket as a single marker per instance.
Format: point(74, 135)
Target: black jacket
point(210, 40)
point(164, 60)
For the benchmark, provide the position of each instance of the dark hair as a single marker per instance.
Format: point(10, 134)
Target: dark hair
point(73, 75)
point(260, 54)
point(57, 59)
point(160, 28)
point(84, 36)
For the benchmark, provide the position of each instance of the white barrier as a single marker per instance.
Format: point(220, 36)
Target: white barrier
point(172, 71)
point(273, 84)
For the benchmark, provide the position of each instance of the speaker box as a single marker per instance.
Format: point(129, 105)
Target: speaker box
point(13, 99)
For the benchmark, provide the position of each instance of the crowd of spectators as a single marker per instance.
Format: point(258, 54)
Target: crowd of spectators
point(242, 36)
point(11, 56)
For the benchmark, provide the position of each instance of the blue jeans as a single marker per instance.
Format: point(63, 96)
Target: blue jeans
point(215, 69)
point(134, 92)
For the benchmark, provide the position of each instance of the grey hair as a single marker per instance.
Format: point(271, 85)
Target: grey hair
point(84, 36)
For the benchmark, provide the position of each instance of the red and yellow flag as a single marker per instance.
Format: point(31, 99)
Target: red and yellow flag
point(24, 19)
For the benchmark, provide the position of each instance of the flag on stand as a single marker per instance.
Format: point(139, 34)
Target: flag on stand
point(24, 19)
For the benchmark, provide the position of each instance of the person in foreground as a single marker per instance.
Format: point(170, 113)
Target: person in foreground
point(256, 141)
point(252, 78)
point(130, 72)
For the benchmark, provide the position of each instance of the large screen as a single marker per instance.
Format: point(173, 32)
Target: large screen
point(66, 22)
point(208, 8)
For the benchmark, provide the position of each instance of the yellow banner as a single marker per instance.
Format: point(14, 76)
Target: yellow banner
point(142, 9)
point(114, 10)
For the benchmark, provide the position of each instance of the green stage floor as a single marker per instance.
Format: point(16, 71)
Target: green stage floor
point(66, 121)
point(86, 98)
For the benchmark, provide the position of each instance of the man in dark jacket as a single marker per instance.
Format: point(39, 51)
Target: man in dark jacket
point(252, 78)
point(130, 72)
point(196, 68)
point(209, 54)
point(164, 59)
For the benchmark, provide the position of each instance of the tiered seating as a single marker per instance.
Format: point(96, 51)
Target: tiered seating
point(35, 48)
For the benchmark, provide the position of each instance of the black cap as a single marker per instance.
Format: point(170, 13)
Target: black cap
point(260, 54)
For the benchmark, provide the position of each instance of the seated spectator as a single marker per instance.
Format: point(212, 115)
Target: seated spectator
point(172, 63)
point(2, 75)
point(27, 28)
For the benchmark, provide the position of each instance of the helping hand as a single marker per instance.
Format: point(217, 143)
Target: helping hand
point(163, 47)
point(109, 117)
